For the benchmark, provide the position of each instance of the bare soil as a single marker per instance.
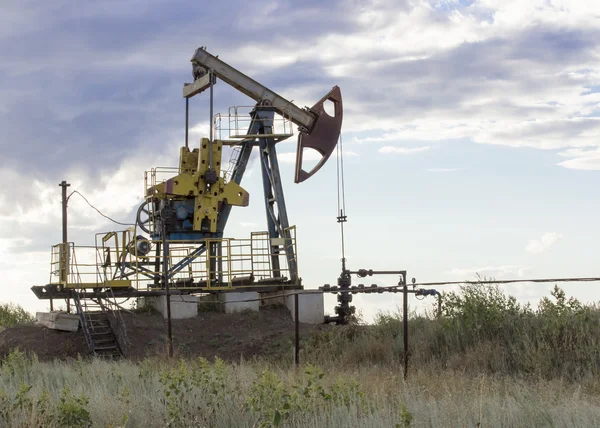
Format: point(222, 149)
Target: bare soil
point(269, 332)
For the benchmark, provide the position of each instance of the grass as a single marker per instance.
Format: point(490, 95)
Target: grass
point(487, 361)
point(159, 393)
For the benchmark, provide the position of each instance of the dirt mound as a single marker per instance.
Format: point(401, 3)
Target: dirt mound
point(46, 343)
point(211, 334)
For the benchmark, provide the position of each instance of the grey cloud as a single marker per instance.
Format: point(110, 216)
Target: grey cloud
point(95, 81)
point(91, 84)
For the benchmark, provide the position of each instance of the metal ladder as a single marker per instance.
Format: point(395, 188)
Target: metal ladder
point(97, 329)
point(233, 160)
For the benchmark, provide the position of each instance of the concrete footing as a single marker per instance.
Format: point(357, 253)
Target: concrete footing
point(182, 306)
point(58, 320)
point(311, 307)
point(235, 302)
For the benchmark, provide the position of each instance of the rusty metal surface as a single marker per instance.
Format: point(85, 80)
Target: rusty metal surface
point(324, 135)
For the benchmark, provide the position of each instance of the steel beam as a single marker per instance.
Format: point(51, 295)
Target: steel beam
point(253, 89)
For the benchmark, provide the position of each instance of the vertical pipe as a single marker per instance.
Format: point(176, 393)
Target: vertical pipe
point(297, 331)
point(157, 264)
point(210, 124)
point(187, 120)
point(166, 279)
point(405, 325)
point(211, 256)
point(220, 261)
point(439, 309)
point(65, 248)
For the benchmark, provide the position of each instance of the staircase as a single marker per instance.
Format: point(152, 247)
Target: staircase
point(103, 339)
point(95, 318)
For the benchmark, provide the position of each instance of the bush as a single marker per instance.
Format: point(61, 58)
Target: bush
point(11, 315)
point(481, 330)
point(484, 328)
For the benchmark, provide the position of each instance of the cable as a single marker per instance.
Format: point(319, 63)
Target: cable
point(509, 281)
point(343, 181)
point(337, 168)
point(99, 212)
point(375, 290)
point(341, 196)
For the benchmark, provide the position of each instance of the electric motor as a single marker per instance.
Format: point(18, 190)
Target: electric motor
point(139, 247)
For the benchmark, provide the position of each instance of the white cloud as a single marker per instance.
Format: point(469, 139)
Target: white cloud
point(581, 159)
point(201, 130)
point(547, 240)
point(308, 155)
point(402, 150)
point(497, 272)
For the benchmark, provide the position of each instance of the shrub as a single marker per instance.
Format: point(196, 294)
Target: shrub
point(11, 315)
point(72, 410)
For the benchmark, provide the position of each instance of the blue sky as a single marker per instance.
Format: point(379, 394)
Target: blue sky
point(471, 128)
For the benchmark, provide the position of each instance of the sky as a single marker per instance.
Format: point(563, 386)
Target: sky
point(470, 135)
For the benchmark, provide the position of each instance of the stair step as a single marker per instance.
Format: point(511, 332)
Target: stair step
point(94, 313)
point(97, 332)
point(111, 340)
point(101, 333)
point(98, 327)
point(106, 348)
point(97, 318)
point(99, 323)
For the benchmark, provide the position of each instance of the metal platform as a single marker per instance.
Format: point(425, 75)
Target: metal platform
point(50, 291)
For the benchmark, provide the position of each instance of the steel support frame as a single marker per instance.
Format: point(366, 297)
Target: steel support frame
point(278, 223)
point(277, 219)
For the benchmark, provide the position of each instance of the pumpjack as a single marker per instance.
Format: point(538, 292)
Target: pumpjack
point(178, 240)
point(194, 205)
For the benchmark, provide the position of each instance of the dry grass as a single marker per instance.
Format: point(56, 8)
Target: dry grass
point(195, 393)
point(487, 362)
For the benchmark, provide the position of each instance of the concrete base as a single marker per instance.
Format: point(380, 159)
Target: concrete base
point(311, 307)
point(235, 302)
point(182, 307)
point(58, 320)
